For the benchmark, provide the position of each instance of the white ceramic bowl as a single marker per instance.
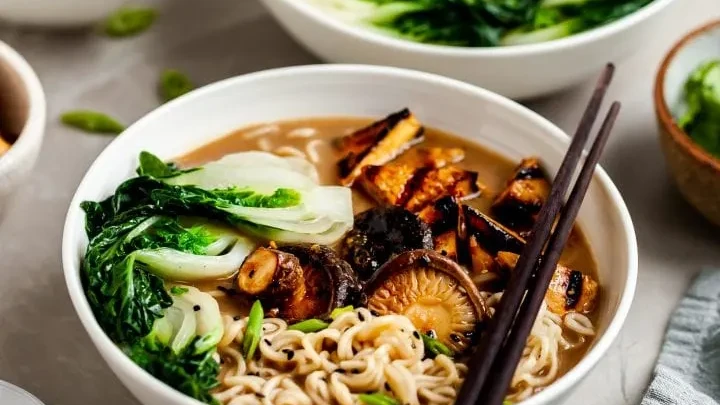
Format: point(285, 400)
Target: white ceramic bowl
point(349, 90)
point(518, 72)
point(56, 13)
point(22, 112)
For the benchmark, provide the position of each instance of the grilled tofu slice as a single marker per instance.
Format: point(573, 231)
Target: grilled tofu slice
point(526, 192)
point(442, 216)
point(446, 244)
point(416, 188)
point(480, 259)
point(378, 144)
point(490, 234)
point(569, 290)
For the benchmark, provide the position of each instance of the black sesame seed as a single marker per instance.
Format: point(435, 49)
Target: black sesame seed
point(374, 312)
point(402, 330)
point(260, 395)
point(355, 371)
point(267, 342)
point(387, 387)
point(237, 318)
point(455, 337)
point(413, 346)
point(196, 308)
point(431, 333)
point(361, 317)
point(290, 355)
point(286, 351)
point(341, 371)
point(416, 334)
point(443, 252)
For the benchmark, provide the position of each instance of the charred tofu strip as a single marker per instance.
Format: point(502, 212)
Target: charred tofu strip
point(518, 205)
point(481, 260)
point(569, 290)
point(269, 272)
point(446, 244)
point(427, 186)
point(386, 184)
point(490, 234)
point(378, 144)
point(443, 218)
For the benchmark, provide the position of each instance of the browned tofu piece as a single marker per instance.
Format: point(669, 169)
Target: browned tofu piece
point(427, 186)
point(518, 205)
point(446, 244)
point(480, 259)
point(490, 234)
point(378, 144)
point(569, 290)
point(386, 184)
point(436, 157)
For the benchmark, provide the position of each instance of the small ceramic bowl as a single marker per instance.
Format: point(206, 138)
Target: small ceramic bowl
point(696, 172)
point(22, 119)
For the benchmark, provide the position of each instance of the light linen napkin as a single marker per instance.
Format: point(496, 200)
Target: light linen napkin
point(688, 369)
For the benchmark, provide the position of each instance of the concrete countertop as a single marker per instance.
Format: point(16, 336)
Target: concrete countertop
point(43, 347)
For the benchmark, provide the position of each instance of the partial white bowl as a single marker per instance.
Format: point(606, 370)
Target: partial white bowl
point(56, 13)
point(518, 72)
point(22, 111)
point(350, 90)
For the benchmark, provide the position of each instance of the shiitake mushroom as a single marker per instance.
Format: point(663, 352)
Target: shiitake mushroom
point(302, 281)
point(381, 233)
point(434, 292)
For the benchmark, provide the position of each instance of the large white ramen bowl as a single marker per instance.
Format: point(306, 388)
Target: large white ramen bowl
point(347, 90)
point(518, 72)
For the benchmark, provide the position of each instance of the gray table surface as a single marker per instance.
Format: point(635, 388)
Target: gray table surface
point(43, 347)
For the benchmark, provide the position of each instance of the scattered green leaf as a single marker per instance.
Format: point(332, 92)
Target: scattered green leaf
point(174, 84)
point(92, 121)
point(129, 21)
point(701, 120)
point(309, 326)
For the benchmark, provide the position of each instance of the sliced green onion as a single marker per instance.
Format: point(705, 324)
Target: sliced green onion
point(309, 326)
point(377, 399)
point(339, 311)
point(434, 347)
point(253, 331)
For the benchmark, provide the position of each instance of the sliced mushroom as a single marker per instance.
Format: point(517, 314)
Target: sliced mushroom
point(569, 290)
point(379, 234)
point(434, 292)
point(269, 272)
point(328, 282)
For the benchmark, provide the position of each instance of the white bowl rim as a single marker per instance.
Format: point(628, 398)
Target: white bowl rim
point(33, 129)
point(576, 40)
point(74, 221)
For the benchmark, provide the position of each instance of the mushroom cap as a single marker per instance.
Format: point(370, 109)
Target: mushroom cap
point(434, 292)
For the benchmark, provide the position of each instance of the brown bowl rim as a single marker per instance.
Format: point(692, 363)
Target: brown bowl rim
point(663, 111)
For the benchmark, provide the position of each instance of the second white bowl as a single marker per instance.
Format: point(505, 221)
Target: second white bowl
point(518, 72)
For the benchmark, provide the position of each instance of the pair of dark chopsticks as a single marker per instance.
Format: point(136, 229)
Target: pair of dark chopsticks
point(493, 364)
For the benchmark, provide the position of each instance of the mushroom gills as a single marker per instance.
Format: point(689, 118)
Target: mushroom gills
point(434, 292)
point(378, 144)
point(569, 290)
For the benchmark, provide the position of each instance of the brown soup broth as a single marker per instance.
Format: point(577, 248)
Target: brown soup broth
point(494, 171)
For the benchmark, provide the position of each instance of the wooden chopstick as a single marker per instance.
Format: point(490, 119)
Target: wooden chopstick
point(494, 391)
point(499, 326)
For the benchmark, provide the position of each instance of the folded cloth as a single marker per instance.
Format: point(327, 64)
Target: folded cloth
point(688, 369)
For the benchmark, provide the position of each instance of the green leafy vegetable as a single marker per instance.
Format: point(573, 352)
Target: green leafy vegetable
point(472, 23)
point(253, 331)
point(174, 84)
point(194, 374)
point(434, 347)
point(175, 290)
point(92, 121)
point(339, 311)
point(128, 21)
point(309, 326)
point(701, 120)
point(377, 399)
